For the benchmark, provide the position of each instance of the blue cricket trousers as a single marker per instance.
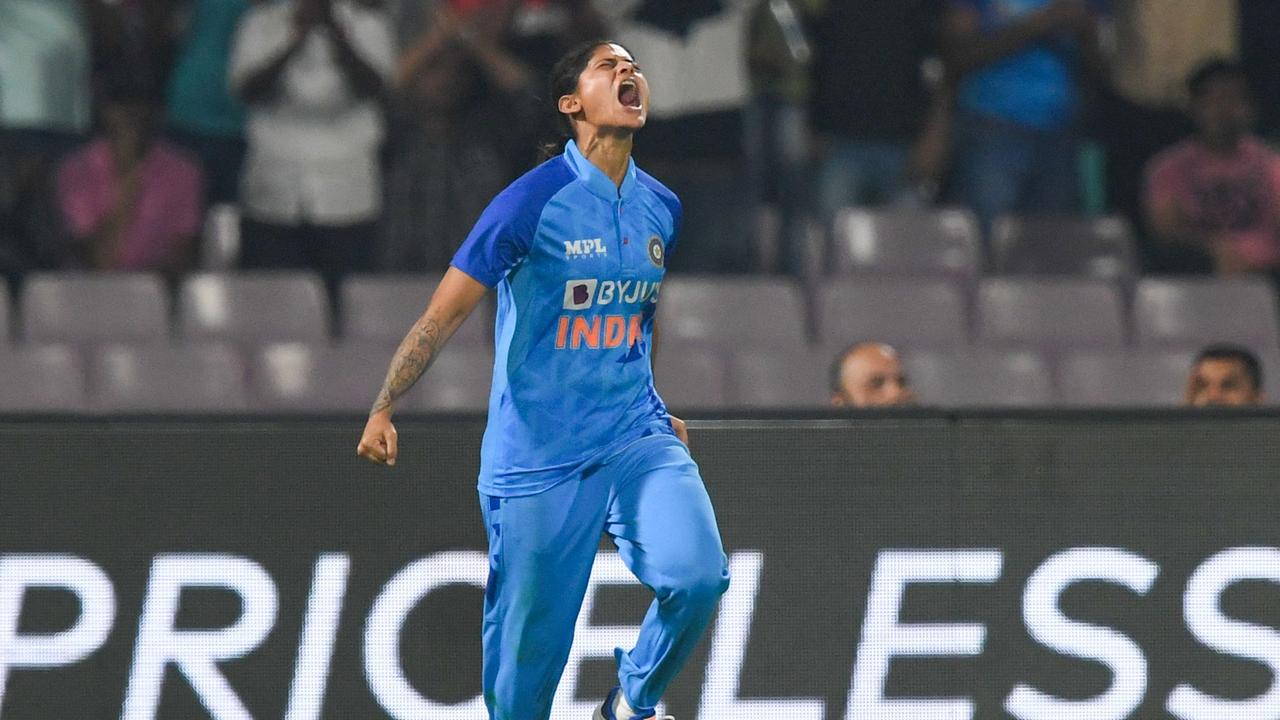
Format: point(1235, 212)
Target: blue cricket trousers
point(649, 497)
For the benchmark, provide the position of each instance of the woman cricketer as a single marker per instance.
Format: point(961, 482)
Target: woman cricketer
point(577, 441)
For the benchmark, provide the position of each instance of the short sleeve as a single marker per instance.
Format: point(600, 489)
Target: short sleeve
point(498, 242)
point(504, 233)
point(671, 202)
point(677, 219)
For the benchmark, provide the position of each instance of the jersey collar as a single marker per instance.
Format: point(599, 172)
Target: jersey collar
point(595, 179)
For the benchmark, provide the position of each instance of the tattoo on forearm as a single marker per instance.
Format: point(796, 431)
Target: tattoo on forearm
point(414, 356)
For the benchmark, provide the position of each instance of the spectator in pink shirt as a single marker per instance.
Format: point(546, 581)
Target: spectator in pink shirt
point(130, 200)
point(1213, 200)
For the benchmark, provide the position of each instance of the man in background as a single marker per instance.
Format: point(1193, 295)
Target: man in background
point(1225, 376)
point(131, 200)
point(314, 75)
point(1213, 200)
point(1022, 68)
point(869, 374)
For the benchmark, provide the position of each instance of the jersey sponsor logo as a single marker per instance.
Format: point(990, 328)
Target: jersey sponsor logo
point(578, 294)
point(657, 251)
point(584, 248)
point(583, 294)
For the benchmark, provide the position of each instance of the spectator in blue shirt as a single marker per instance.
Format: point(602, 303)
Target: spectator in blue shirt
point(1020, 64)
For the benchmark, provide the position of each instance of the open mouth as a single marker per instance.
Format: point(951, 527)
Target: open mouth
point(629, 94)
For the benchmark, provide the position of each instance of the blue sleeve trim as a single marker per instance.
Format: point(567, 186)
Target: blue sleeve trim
point(504, 233)
point(669, 200)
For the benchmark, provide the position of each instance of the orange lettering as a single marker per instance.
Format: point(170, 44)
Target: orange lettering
point(585, 333)
point(614, 330)
point(562, 332)
point(633, 331)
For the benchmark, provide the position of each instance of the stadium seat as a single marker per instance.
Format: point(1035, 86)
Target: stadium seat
point(1095, 247)
point(458, 382)
point(942, 242)
point(1133, 378)
point(41, 378)
point(6, 322)
point(298, 377)
point(1196, 311)
point(196, 378)
point(97, 307)
point(911, 312)
point(256, 307)
point(780, 379)
point(979, 378)
point(1051, 313)
point(691, 376)
point(732, 312)
point(383, 308)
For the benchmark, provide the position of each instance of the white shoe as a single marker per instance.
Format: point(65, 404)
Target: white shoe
point(605, 710)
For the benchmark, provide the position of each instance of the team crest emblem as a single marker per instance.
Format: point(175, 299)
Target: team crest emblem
point(657, 253)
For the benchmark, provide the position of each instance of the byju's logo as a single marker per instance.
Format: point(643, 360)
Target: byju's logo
point(578, 294)
point(584, 248)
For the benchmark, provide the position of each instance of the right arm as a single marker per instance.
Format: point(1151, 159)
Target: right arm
point(262, 82)
point(454, 300)
point(260, 54)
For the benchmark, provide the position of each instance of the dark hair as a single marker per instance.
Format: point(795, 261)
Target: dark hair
point(1235, 353)
point(1213, 69)
point(564, 79)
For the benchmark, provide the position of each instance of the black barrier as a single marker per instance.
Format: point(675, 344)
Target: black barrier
point(907, 567)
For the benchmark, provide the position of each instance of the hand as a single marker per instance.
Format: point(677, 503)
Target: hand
point(378, 444)
point(682, 431)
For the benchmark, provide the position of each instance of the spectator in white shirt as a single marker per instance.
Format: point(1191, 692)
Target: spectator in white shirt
point(313, 74)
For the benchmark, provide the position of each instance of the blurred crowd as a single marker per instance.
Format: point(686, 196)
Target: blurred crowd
point(367, 135)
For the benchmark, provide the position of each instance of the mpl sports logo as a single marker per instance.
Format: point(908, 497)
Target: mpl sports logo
point(604, 331)
point(591, 247)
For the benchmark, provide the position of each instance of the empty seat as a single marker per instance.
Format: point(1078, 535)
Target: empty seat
point(457, 382)
point(979, 378)
point(46, 378)
point(915, 312)
point(298, 377)
point(254, 307)
point(918, 242)
point(98, 307)
point(691, 376)
point(778, 379)
point(1194, 311)
point(1097, 247)
point(1134, 378)
point(383, 308)
point(6, 323)
point(732, 312)
point(199, 378)
point(1050, 313)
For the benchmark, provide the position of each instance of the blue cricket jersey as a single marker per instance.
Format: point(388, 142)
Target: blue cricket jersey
point(578, 263)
